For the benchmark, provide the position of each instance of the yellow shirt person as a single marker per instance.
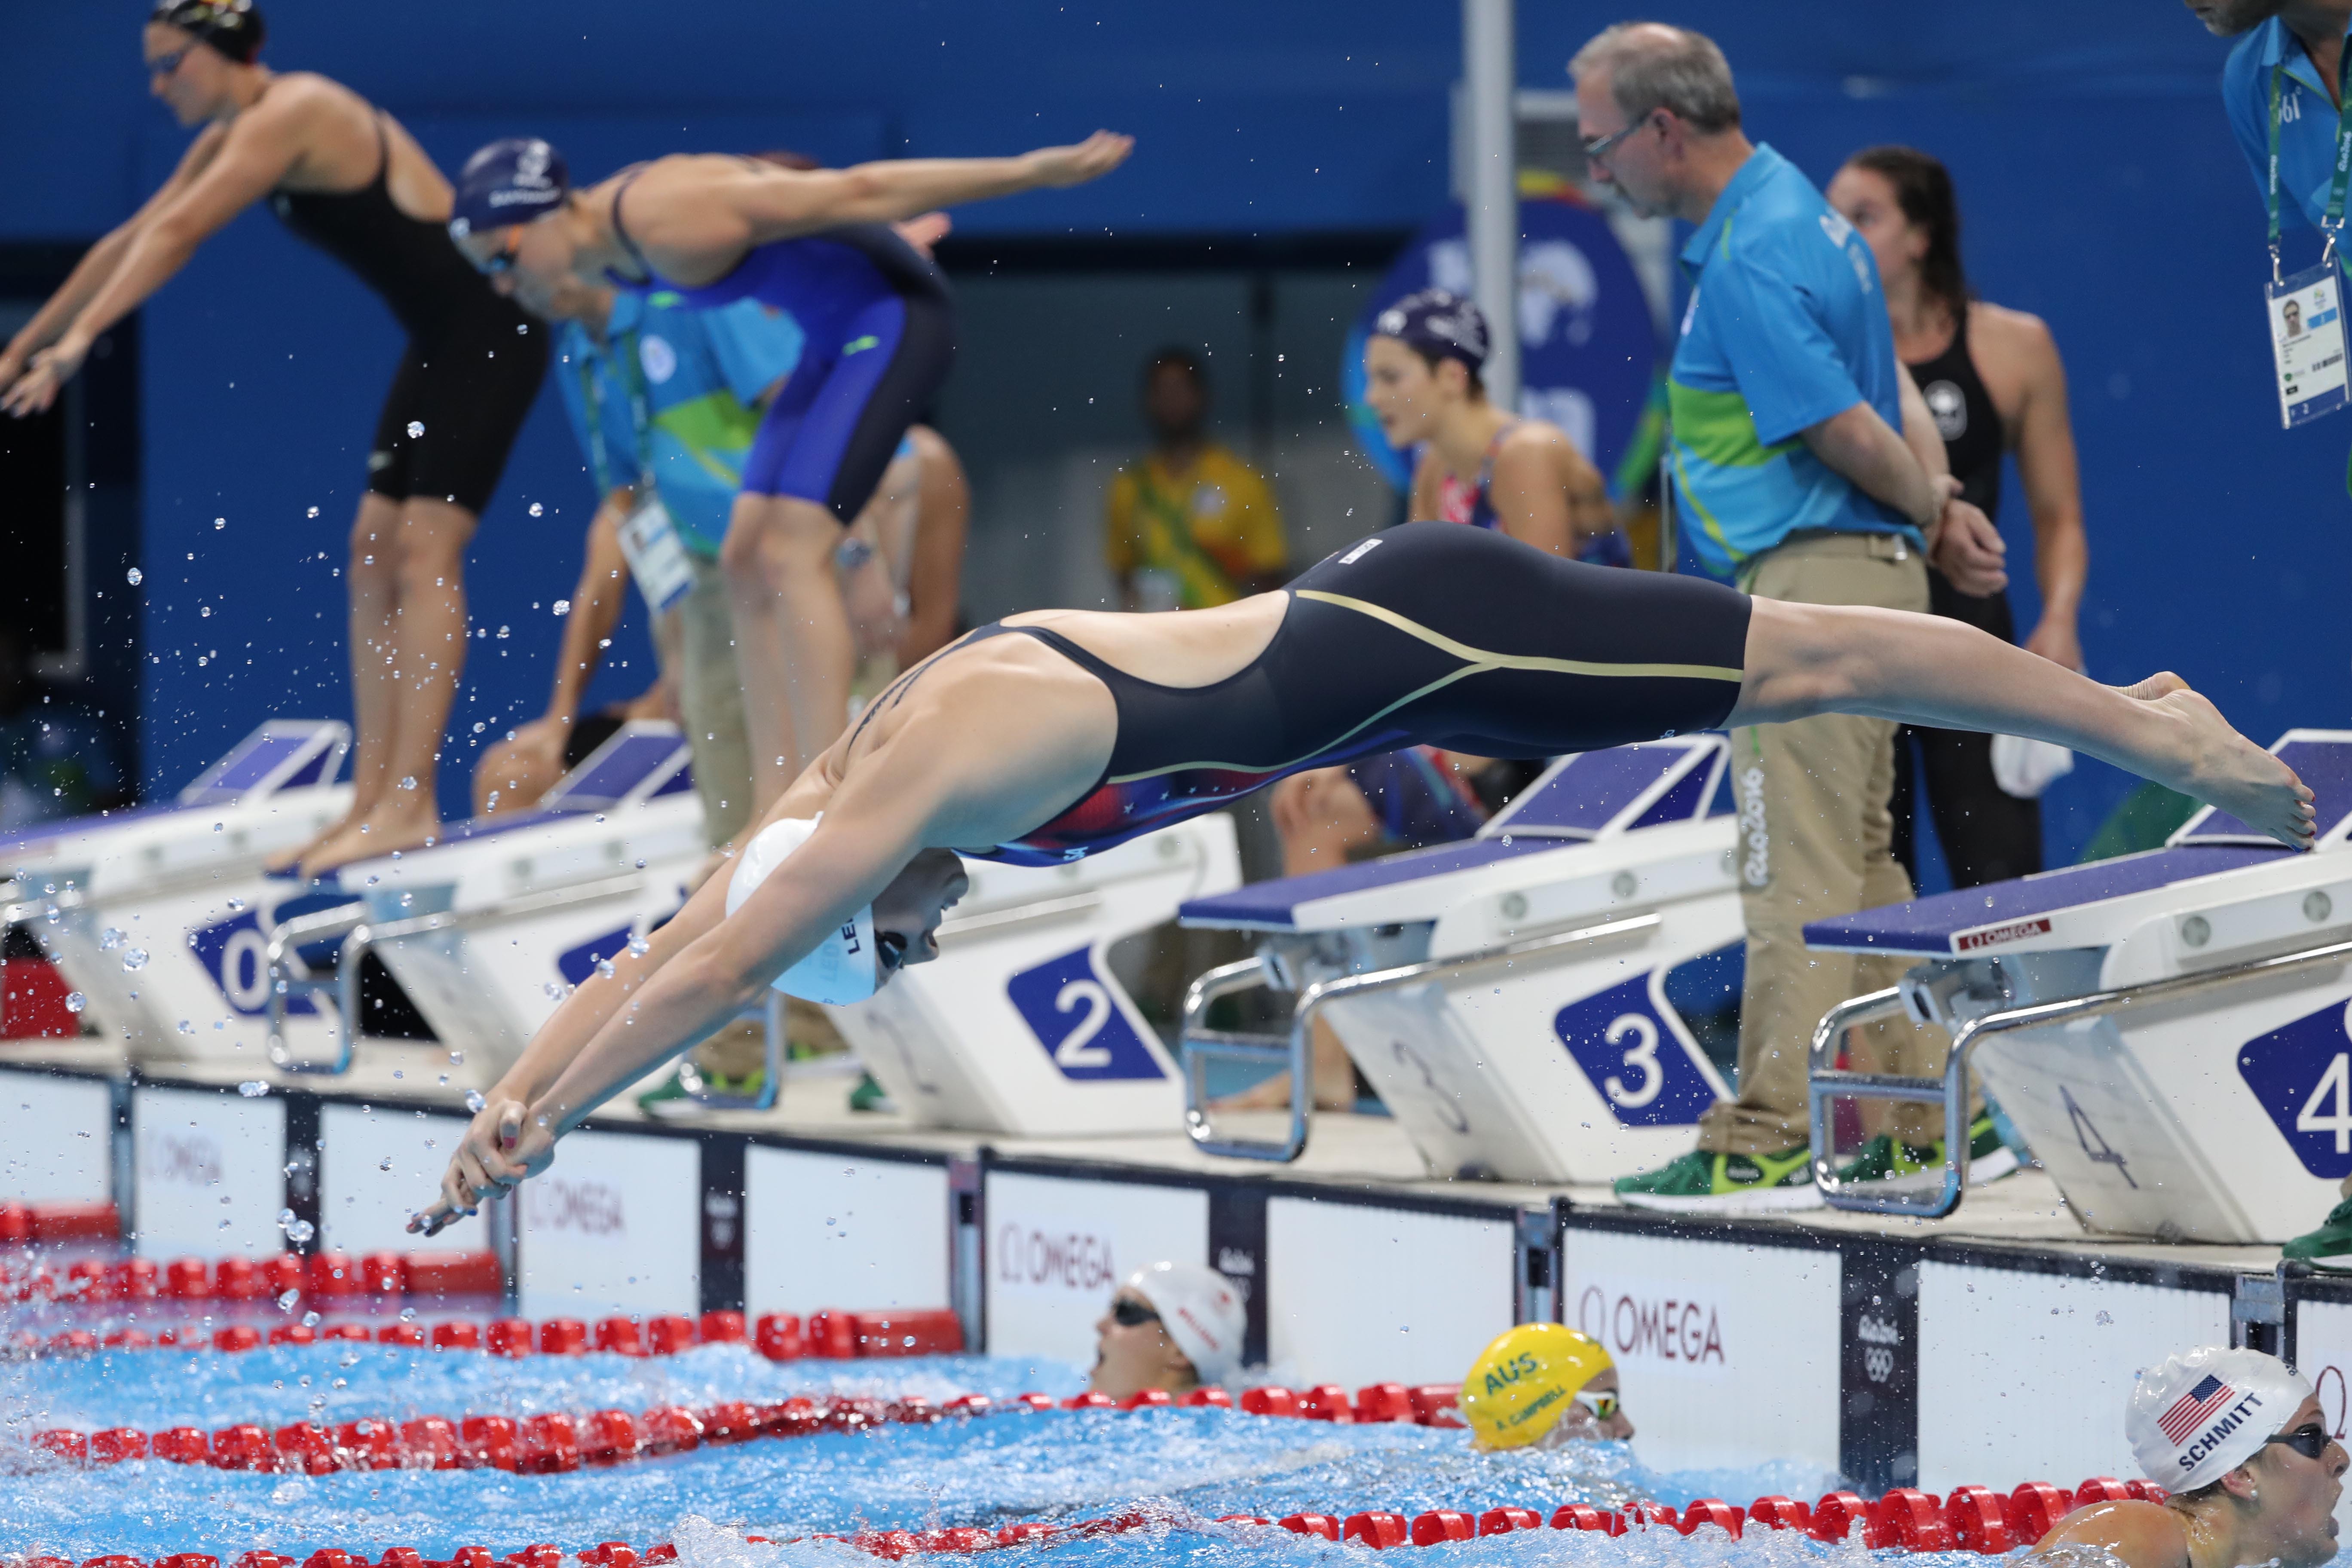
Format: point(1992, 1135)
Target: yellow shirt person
point(1190, 524)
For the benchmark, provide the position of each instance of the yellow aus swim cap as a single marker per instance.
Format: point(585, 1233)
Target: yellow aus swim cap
point(1524, 1382)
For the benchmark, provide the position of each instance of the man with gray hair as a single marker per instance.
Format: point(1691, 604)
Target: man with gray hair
point(1807, 469)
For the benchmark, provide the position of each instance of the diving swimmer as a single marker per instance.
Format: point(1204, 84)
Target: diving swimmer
point(2241, 1443)
point(1038, 739)
point(880, 335)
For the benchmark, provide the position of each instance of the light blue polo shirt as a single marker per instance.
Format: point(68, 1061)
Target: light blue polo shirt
point(1786, 327)
point(700, 374)
point(2306, 120)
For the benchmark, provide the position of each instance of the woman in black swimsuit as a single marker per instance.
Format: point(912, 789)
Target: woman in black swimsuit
point(345, 175)
point(1038, 741)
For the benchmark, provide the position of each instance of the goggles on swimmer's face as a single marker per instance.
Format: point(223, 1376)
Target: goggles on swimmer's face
point(499, 262)
point(2310, 1440)
point(1129, 1314)
point(1603, 1405)
point(890, 950)
point(165, 65)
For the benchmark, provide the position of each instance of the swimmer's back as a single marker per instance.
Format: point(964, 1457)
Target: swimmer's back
point(2142, 1535)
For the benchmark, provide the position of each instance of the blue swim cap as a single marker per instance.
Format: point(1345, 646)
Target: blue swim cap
point(509, 182)
point(1437, 322)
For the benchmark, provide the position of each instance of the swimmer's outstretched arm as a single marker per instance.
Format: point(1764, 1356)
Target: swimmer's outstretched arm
point(1803, 660)
point(700, 971)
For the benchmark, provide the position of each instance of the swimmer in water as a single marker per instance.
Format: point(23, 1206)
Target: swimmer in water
point(880, 327)
point(2239, 1442)
point(347, 177)
point(1038, 739)
point(1175, 1327)
point(1542, 1384)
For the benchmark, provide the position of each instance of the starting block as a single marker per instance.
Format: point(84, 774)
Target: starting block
point(2169, 1030)
point(1020, 1026)
point(1512, 999)
point(156, 914)
point(489, 928)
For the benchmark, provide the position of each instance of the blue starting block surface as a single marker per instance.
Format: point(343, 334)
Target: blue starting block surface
point(2012, 914)
point(1274, 905)
point(640, 762)
point(1595, 793)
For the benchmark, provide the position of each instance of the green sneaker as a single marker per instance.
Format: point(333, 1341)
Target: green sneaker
point(673, 1098)
point(2329, 1246)
point(669, 1100)
point(869, 1095)
point(1702, 1183)
point(1885, 1157)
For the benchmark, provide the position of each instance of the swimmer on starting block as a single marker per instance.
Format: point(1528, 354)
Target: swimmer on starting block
point(1039, 739)
point(1174, 1326)
point(2241, 1444)
point(1542, 1384)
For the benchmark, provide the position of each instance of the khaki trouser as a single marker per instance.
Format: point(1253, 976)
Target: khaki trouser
point(1816, 840)
point(710, 705)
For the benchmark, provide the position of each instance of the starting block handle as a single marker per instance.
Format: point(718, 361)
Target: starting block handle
point(1253, 974)
point(1827, 1083)
point(287, 974)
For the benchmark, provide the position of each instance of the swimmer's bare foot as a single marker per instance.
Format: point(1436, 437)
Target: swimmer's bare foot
point(288, 860)
point(2219, 765)
point(386, 829)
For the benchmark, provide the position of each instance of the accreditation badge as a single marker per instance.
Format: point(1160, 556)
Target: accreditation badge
point(658, 558)
point(2307, 342)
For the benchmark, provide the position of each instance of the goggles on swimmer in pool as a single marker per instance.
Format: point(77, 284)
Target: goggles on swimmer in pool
point(1129, 1314)
point(2310, 1440)
point(1604, 1405)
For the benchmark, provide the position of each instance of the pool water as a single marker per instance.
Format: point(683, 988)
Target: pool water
point(1184, 1468)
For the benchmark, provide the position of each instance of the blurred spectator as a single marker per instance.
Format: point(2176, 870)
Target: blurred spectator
point(57, 757)
point(1191, 524)
point(1992, 380)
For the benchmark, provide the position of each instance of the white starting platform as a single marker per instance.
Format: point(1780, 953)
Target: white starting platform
point(2167, 1030)
point(1022, 1026)
point(1508, 998)
point(488, 929)
point(156, 914)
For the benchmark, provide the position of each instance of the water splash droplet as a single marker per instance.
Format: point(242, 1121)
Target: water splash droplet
point(537, 509)
point(219, 524)
point(253, 1088)
point(134, 958)
point(416, 428)
point(136, 576)
point(639, 947)
point(109, 939)
point(563, 606)
point(76, 1001)
point(473, 1101)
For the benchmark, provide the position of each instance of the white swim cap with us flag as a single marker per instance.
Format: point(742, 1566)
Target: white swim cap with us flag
point(843, 969)
point(2196, 1416)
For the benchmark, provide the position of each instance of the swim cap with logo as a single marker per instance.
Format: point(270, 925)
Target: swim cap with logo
point(1524, 1382)
point(2196, 1416)
point(842, 969)
point(1201, 1312)
point(1437, 322)
point(509, 182)
point(231, 27)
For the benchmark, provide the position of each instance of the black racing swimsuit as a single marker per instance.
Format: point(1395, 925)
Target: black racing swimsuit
point(1430, 634)
point(474, 359)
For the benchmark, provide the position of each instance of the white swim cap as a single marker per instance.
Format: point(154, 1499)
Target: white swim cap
point(842, 969)
point(2197, 1416)
point(1201, 1312)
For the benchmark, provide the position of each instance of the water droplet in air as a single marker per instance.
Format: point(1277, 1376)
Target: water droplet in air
point(314, 511)
point(235, 905)
point(76, 1001)
point(108, 939)
point(134, 958)
point(385, 1164)
point(53, 914)
point(136, 576)
point(639, 947)
point(219, 524)
point(537, 509)
point(605, 967)
point(563, 606)
point(457, 1058)
point(186, 1027)
point(416, 428)
point(253, 1088)
point(204, 611)
point(287, 1300)
point(300, 1232)
point(473, 1101)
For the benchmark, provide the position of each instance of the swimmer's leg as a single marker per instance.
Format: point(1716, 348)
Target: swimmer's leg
point(1803, 660)
point(408, 643)
point(792, 641)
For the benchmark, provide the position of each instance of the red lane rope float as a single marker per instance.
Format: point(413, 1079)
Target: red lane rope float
point(1972, 1519)
point(779, 1336)
point(558, 1443)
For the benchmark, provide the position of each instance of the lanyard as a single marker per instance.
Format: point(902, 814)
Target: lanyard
point(622, 353)
point(2332, 220)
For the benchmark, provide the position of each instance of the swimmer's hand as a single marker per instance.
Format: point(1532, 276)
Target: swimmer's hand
point(33, 391)
point(1091, 159)
point(501, 1149)
point(925, 231)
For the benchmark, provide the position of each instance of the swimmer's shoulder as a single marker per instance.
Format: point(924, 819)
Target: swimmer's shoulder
point(2140, 1534)
point(2015, 353)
